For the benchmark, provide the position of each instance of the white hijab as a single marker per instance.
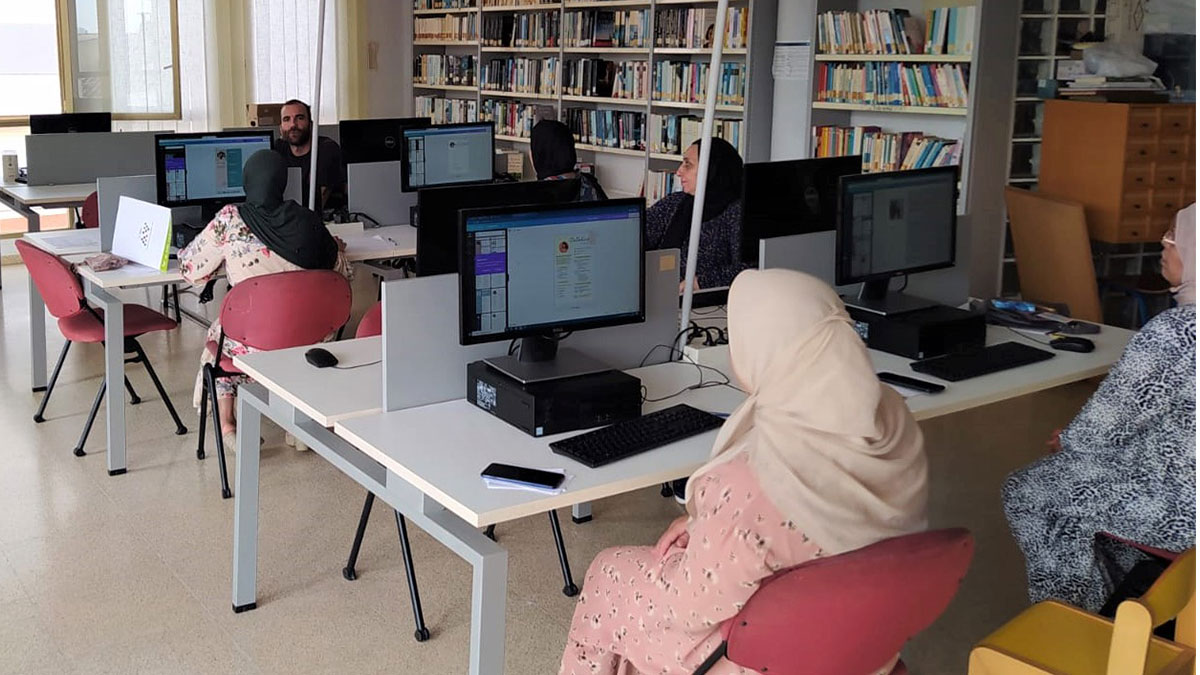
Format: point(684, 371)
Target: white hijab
point(1185, 244)
point(835, 451)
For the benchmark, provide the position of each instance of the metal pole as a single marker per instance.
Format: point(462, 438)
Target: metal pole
point(710, 107)
point(316, 105)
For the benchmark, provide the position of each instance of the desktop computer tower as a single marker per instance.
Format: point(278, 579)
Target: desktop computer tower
point(923, 333)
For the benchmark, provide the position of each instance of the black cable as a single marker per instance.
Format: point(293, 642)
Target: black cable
point(1031, 339)
point(726, 382)
point(362, 216)
point(905, 286)
point(361, 365)
point(512, 347)
point(714, 310)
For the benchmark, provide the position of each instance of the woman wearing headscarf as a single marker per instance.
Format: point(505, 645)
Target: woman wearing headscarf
point(552, 147)
point(1126, 465)
point(820, 459)
point(669, 221)
point(265, 235)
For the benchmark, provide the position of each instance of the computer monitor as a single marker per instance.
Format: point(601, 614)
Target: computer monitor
point(447, 154)
point(377, 140)
point(892, 224)
point(798, 196)
point(438, 209)
point(71, 123)
point(537, 272)
point(204, 169)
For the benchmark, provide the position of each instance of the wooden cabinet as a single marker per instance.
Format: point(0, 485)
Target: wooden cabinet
point(1131, 165)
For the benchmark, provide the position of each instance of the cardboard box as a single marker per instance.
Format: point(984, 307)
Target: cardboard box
point(263, 114)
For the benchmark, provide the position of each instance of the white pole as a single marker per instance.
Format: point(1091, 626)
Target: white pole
point(710, 107)
point(315, 106)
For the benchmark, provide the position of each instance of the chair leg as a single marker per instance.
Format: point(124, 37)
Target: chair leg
point(163, 303)
point(717, 655)
point(87, 427)
point(490, 532)
point(179, 428)
point(211, 379)
point(666, 490)
point(348, 571)
point(422, 633)
point(62, 356)
point(203, 415)
point(569, 588)
point(134, 399)
point(175, 300)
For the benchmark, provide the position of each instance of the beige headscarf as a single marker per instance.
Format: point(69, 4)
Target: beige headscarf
point(835, 451)
point(1185, 243)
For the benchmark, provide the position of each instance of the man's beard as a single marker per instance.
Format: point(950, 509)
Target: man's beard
point(299, 137)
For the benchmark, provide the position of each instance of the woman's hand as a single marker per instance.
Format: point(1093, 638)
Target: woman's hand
point(695, 285)
point(1055, 442)
point(676, 535)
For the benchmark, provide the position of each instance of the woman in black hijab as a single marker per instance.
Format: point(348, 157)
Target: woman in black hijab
point(669, 221)
point(553, 150)
point(264, 235)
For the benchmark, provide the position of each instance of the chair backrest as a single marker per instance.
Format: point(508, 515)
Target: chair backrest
point(288, 309)
point(372, 322)
point(90, 213)
point(54, 279)
point(852, 612)
point(1054, 254)
point(1172, 596)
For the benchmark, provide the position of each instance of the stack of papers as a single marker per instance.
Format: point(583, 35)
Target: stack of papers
point(503, 484)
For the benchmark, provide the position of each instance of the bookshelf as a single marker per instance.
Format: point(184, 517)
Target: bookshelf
point(622, 170)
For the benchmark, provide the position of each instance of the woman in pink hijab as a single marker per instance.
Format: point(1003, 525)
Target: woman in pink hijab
point(819, 460)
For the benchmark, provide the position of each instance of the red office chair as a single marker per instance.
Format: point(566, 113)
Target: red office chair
point(79, 322)
point(850, 613)
point(89, 215)
point(273, 311)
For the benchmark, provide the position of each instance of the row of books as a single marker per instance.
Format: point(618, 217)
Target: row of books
point(878, 31)
point(443, 4)
point(950, 30)
point(521, 75)
point(532, 29)
point(885, 151)
point(600, 77)
point(686, 82)
point(672, 134)
point(607, 128)
point(511, 118)
point(444, 69)
point(519, 3)
point(890, 83)
point(444, 110)
point(659, 184)
point(452, 27)
point(693, 28)
point(607, 28)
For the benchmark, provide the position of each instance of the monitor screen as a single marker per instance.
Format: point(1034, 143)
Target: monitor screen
point(69, 123)
point(791, 197)
point(447, 154)
point(438, 208)
point(365, 141)
point(896, 223)
point(204, 169)
point(534, 270)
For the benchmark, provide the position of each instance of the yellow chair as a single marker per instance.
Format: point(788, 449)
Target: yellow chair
point(1058, 639)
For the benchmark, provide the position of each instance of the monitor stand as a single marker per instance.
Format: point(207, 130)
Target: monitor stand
point(541, 360)
point(874, 297)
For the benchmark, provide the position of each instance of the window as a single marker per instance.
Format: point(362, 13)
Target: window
point(28, 59)
point(283, 53)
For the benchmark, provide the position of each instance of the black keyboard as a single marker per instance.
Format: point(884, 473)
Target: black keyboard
point(993, 359)
point(632, 437)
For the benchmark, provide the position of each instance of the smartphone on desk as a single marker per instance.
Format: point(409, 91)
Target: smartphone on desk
point(520, 474)
point(912, 383)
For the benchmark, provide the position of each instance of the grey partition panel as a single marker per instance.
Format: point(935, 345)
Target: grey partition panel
point(375, 190)
point(424, 363)
point(331, 131)
point(57, 159)
point(813, 254)
point(109, 192)
point(295, 185)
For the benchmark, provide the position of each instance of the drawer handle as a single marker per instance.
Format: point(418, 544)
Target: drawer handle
point(1142, 152)
point(1137, 206)
point(1170, 205)
point(1139, 179)
point(1170, 179)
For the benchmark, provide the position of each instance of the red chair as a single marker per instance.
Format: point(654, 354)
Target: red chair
point(79, 322)
point(89, 215)
point(372, 322)
point(849, 613)
point(272, 311)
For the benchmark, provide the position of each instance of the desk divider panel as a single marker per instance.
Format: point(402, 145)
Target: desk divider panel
point(814, 253)
point(374, 189)
point(423, 362)
point(58, 159)
point(109, 192)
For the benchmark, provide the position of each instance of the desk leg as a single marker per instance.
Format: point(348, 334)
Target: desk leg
point(488, 596)
point(581, 513)
point(114, 374)
point(245, 507)
point(37, 318)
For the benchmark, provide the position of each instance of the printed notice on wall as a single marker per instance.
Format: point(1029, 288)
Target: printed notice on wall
point(792, 60)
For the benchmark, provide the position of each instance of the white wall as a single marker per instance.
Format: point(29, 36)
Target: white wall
point(389, 85)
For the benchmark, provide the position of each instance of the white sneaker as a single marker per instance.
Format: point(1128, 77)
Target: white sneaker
point(295, 443)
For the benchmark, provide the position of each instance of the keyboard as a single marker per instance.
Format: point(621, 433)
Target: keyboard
point(992, 359)
point(633, 437)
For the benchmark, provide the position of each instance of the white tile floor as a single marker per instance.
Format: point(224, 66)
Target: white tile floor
point(130, 574)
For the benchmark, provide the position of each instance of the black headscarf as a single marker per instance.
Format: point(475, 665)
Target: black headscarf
point(724, 186)
point(290, 230)
point(553, 149)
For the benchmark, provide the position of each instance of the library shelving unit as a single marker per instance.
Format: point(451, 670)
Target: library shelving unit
point(623, 171)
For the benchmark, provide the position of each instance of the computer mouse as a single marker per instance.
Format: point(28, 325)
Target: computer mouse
point(1079, 328)
point(1073, 344)
point(321, 358)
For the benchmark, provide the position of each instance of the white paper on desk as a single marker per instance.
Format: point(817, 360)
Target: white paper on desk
point(502, 484)
point(74, 239)
point(142, 233)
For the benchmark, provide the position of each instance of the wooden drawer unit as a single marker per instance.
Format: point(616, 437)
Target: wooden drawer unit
point(1132, 166)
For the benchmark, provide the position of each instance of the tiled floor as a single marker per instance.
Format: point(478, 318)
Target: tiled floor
point(130, 574)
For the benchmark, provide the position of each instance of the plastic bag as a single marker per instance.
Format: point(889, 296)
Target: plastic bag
point(1112, 60)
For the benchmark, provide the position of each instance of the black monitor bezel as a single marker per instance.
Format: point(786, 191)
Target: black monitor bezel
point(404, 176)
point(160, 173)
point(349, 154)
point(841, 271)
point(466, 296)
point(38, 123)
